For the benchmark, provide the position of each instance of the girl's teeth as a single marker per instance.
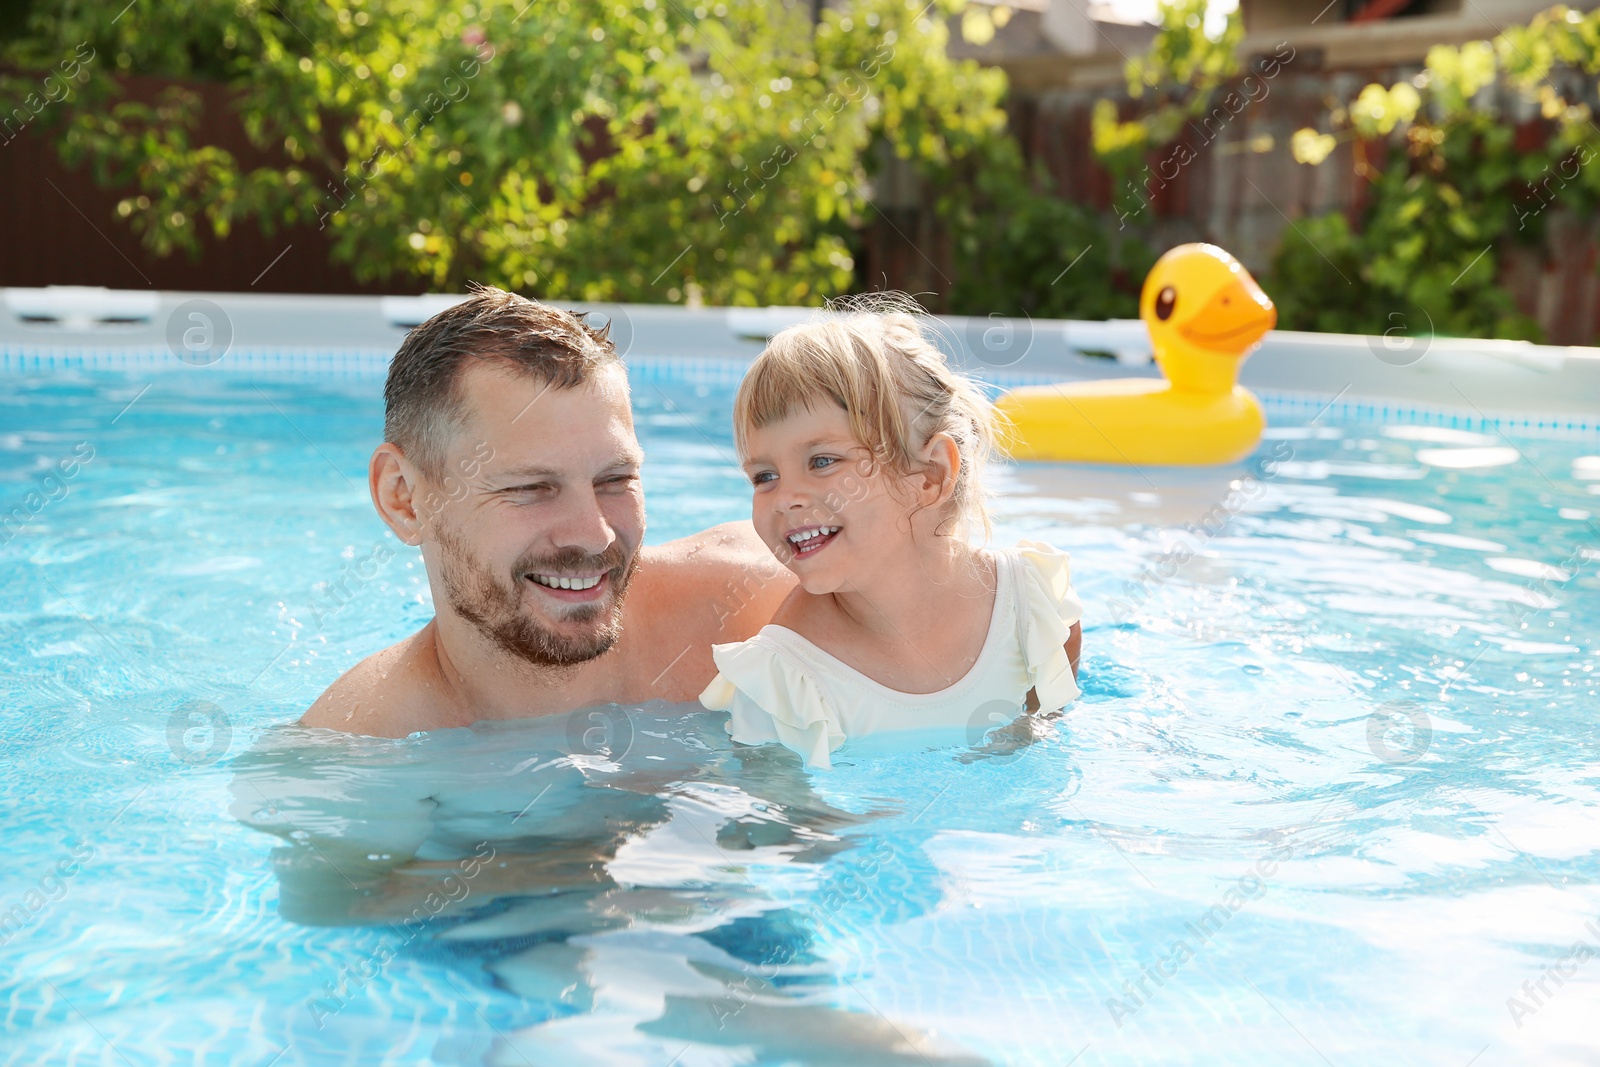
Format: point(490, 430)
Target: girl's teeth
point(802, 538)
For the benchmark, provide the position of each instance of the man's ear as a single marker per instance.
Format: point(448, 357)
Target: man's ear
point(941, 464)
point(397, 493)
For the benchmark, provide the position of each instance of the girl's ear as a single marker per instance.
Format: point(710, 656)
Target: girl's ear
point(941, 465)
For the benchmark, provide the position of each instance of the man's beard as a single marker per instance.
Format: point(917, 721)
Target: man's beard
point(475, 594)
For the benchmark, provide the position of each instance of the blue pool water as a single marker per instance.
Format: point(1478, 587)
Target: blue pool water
point(1329, 796)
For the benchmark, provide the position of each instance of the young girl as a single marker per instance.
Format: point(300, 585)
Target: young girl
point(866, 453)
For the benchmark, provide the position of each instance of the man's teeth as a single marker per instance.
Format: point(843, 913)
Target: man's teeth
point(556, 582)
point(806, 535)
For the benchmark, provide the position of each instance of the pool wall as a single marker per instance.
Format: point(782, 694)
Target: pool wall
point(1407, 376)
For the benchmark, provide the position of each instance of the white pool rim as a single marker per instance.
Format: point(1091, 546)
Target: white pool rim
point(1411, 378)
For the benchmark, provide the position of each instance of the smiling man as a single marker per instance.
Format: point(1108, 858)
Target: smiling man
point(510, 459)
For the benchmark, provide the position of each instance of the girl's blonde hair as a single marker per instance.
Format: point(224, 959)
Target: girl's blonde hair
point(872, 357)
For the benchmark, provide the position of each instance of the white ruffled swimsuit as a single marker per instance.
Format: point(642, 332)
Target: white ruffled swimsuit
point(778, 686)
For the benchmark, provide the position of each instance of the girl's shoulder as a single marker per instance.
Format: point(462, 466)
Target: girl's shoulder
point(773, 659)
point(1047, 609)
point(770, 686)
point(1040, 578)
point(1046, 571)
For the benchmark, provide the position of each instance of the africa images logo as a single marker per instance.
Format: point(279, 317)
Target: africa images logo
point(199, 332)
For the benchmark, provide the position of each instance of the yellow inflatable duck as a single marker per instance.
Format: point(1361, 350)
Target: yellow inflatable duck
point(1205, 314)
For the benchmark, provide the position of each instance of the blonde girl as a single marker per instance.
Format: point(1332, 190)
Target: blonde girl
point(866, 453)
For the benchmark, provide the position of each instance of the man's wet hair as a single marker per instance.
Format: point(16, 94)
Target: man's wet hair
point(423, 402)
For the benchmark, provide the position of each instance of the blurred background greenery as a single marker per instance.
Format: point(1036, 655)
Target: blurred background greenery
point(756, 151)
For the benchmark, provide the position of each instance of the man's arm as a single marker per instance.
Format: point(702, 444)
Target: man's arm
point(717, 586)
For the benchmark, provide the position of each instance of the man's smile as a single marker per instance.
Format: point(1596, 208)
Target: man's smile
point(572, 588)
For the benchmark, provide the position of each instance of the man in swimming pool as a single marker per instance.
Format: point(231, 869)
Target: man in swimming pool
point(510, 459)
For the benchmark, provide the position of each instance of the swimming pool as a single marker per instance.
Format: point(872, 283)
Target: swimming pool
point(1329, 794)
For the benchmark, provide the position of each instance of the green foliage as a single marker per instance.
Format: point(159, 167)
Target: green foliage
point(575, 148)
point(1427, 247)
point(1453, 191)
point(1179, 75)
point(1182, 54)
point(1377, 111)
point(1023, 251)
point(588, 149)
point(1316, 280)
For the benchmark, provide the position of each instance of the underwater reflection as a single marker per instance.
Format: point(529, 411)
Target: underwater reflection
point(624, 895)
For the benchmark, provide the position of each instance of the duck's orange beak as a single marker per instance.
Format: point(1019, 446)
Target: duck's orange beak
point(1233, 320)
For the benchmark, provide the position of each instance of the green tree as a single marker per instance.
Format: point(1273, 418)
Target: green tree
point(1454, 188)
point(1176, 82)
point(574, 148)
point(1022, 250)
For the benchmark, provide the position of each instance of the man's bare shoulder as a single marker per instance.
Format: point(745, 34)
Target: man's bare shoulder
point(717, 586)
point(727, 545)
point(389, 694)
point(727, 563)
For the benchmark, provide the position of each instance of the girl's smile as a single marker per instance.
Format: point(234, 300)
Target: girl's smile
point(809, 539)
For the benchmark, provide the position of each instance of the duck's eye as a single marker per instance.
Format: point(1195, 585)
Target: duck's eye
point(1166, 300)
